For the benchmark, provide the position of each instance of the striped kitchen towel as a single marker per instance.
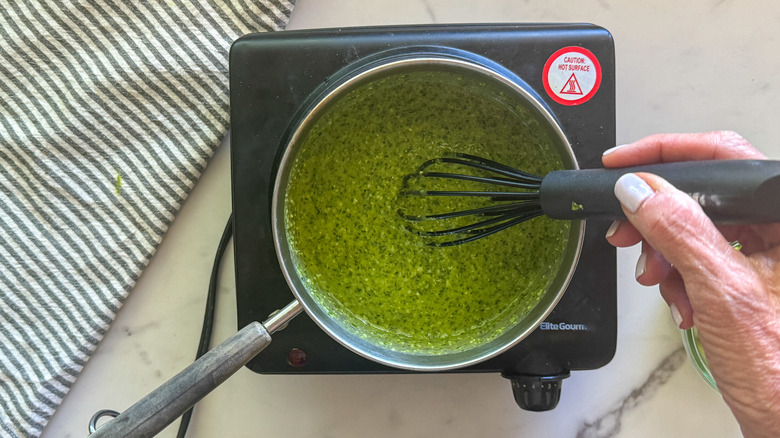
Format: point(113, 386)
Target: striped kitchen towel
point(109, 112)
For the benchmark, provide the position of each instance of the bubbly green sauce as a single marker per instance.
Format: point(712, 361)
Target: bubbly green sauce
point(352, 249)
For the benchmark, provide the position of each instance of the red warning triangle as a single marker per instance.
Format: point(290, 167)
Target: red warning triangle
point(571, 86)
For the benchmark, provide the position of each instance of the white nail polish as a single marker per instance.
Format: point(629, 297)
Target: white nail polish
point(612, 229)
point(641, 266)
point(613, 149)
point(632, 191)
point(676, 316)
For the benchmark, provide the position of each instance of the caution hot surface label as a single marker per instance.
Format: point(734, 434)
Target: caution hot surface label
point(572, 75)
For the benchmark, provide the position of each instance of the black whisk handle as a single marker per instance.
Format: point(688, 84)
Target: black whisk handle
point(729, 191)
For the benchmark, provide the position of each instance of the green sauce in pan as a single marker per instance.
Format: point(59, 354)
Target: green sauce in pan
point(352, 249)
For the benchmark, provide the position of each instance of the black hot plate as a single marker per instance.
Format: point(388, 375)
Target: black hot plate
point(271, 76)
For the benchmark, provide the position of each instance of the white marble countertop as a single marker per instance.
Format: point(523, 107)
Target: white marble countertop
point(681, 66)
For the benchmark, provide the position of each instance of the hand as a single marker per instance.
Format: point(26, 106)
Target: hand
point(733, 297)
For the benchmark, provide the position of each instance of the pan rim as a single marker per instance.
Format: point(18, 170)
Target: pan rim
point(368, 349)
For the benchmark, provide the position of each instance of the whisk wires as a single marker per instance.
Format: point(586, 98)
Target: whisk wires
point(497, 210)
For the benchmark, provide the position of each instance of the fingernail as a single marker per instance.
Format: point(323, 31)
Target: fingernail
point(632, 191)
point(676, 316)
point(641, 265)
point(613, 149)
point(612, 229)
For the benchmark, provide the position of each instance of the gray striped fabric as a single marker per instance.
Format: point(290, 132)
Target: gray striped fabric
point(109, 112)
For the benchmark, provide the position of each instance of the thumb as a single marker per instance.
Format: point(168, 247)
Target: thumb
point(674, 224)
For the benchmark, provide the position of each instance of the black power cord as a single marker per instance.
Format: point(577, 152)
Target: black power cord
point(208, 317)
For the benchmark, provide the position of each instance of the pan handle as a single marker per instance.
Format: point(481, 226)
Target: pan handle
point(165, 404)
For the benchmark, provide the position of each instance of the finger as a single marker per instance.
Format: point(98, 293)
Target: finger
point(652, 267)
point(717, 145)
point(673, 224)
point(752, 238)
point(769, 233)
point(622, 234)
point(768, 264)
point(673, 292)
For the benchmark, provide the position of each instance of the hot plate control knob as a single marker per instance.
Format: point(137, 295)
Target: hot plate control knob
point(537, 393)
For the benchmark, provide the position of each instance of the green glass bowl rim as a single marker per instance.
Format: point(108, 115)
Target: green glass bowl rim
point(700, 362)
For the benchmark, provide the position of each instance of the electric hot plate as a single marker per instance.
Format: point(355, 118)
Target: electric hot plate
point(571, 69)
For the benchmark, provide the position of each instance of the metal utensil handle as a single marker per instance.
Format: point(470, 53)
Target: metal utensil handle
point(729, 191)
point(162, 406)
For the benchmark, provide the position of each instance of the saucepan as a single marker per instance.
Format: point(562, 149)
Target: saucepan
point(492, 83)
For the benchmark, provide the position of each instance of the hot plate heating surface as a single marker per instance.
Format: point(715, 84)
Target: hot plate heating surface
point(271, 76)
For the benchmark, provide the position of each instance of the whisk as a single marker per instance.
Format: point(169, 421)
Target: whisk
point(729, 191)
